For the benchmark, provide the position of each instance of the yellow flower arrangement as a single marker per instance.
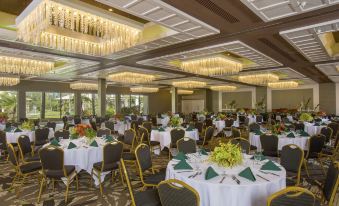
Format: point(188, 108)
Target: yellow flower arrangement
point(226, 155)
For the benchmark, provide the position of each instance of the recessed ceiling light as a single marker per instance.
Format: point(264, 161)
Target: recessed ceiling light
point(110, 9)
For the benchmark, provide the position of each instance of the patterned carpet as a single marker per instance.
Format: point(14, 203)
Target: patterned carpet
point(114, 193)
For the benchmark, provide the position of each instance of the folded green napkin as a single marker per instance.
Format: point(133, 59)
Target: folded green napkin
point(258, 132)
point(317, 124)
point(262, 157)
point(182, 165)
point(291, 135)
point(161, 129)
point(7, 129)
point(94, 144)
point(203, 151)
point(54, 142)
point(109, 138)
point(56, 139)
point(71, 145)
point(18, 130)
point(270, 166)
point(210, 173)
point(189, 129)
point(180, 156)
point(248, 174)
point(304, 134)
point(323, 124)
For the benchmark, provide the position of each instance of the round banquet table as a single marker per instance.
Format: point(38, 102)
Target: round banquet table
point(163, 121)
point(2, 127)
point(121, 127)
point(220, 124)
point(302, 142)
point(12, 137)
point(164, 137)
point(83, 156)
point(311, 129)
point(229, 193)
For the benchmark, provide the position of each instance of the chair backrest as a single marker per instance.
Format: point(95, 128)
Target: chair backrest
point(254, 127)
point(208, 122)
point(177, 134)
point(128, 181)
point(51, 125)
point(236, 133)
point(291, 158)
point(299, 126)
point(3, 140)
point(129, 137)
point(93, 125)
point(144, 158)
point(241, 119)
point(331, 183)
point(24, 144)
point(12, 155)
point(269, 143)
point(109, 125)
point(144, 135)
point(285, 120)
point(148, 126)
point(64, 134)
point(259, 118)
point(102, 132)
point(41, 134)
point(244, 144)
point(316, 143)
point(134, 125)
point(52, 158)
point(199, 126)
point(175, 192)
point(77, 120)
point(186, 145)
point(112, 152)
point(334, 126)
point(140, 120)
point(327, 132)
point(209, 133)
point(229, 122)
point(292, 196)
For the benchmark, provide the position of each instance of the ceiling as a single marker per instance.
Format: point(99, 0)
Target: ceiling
point(286, 43)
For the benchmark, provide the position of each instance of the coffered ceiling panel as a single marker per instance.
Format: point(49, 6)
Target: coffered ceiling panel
point(269, 10)
point(331, 70)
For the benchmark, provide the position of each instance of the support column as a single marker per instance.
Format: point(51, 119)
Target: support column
point(219, 101)
point(43, 105)
point(77, 102)
point(102, 97)
point(21, 104)
point(174, 99)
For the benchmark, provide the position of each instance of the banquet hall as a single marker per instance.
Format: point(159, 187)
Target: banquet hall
point(169, 102)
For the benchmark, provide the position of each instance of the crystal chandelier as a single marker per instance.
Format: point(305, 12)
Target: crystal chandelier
point(223, 88)
point(283, 85)
point(259, 79)
point(84, 86)
point(9, 81)
point(63, 27)
point(144, 89)
point(131, 78)
point(183, 91)
point(189, 84)
point(14, 65)
point(212, 66)
point(337, 68)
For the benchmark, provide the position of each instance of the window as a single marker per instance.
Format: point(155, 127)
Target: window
point(67, 104)
point(135, 102)
point(125, 101)
point(8, 104)
point(110, 104)
point(89, 104)
point(52, 105)
point(33, 105)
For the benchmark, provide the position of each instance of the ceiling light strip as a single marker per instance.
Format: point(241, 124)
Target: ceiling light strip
point(14, 65)
point(259, 79)
point(9, 81)
point(189, 84)
point(131, 78)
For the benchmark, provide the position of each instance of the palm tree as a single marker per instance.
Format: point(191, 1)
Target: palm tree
point(8, 103)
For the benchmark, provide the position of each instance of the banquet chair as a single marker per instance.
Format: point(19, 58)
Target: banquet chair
point(77, 120)
point(25, 149)
point(315, 147)
point(41, 137)
point(148, 126)
point(199, 126)
point(112, 153)
point(22, 170)
point(207, 137)
point(148, 197)
point(235, 133)
point(244, 144)
point(144, 161)
point(331, 152)
point(293, 196)
point(93, 125)
point(3, 143)
point(110, 125)
point(53, 168)
point(129, 140)
point(299, 126)
point(269, 145)
point(102, 132)
point(228, 125)
point(208, 122)
point(254, 127)
point(330, 186)
point(176, 134)
point(292, 158)
point(327, 132)
point(134, 125)
point(242, 119)
point(175, 192)
point(334, 126)
point(146, 139)
point(186, 145)
point(259, 119)
point(285, 120)
point(51, 125)
point(64, 134)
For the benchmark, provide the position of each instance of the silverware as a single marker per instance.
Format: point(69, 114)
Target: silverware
point(263, 178)
point(185, 171)
point(236, 179)
point(198, 173)
point(271, 173)
point(222, 179)
point(193, 175)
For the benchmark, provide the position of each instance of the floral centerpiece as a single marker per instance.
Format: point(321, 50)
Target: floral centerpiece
point(175, 121)
point(306, 117)
point(221, 116)
point(226, 155)
point(241, 111)
point(80, 129)
point(27, 125)
point(321, 114)
point(278, 128)
point(3, 117)
point(90, 134)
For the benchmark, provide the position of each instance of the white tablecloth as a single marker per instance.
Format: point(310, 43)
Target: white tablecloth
point(220, 124)
point(2, 127)
point(163, 121)
point(13, 136)
point(311, 129)
point(213, 193)
point(165, 137)
point(121, 127)
point(302, 142)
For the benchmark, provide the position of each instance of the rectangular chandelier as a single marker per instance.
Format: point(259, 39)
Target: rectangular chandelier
point(131, 78)
point(283, 85)
point(212, 66)
point(259, 79)
point(83, 86)
point(144, 89)
point(9, 81)
point(189, 84)
point(14, 65)
point(61, 25)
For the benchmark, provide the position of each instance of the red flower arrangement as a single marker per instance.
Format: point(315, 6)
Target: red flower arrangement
point(80, 129)
point(3, 117)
